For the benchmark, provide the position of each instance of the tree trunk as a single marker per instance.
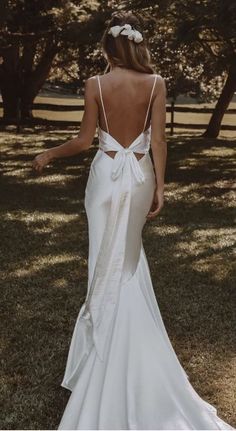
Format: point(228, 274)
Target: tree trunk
point(15, 99)
point(224, 100)
point(10, 101)
point(20, 86)
point(9, 81)
point(26, 108)
point(35, 81)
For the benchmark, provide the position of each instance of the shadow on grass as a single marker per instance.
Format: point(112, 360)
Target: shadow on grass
point(44, 271)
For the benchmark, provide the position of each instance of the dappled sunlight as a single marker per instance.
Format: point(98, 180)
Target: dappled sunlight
point(218, 152)
point(178, 189)
point(45, 179)
point(167, 230)
point(216, 237)
point(221, 192)
point(215, 266)
point(43, 263)
point(189, 247)
point(212, 239)
point(37, 216)
point(61, 283)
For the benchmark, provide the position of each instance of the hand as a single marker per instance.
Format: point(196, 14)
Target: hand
point(40, 161)
point(157, 203)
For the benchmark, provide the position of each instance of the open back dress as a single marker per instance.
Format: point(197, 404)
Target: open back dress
point(122, 370)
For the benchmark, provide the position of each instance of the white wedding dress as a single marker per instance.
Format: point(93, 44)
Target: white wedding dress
point(121, 368)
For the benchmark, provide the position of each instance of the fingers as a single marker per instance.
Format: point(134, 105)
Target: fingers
point(37, 167)
point(157, 205)
point(154, 213)
point(39, 162)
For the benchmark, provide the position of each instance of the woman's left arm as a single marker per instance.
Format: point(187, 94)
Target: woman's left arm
point(85, 136)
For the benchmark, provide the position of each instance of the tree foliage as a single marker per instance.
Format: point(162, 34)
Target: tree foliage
point(37, 35)
point(193, 45)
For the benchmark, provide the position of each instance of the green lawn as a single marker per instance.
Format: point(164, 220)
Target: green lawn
point(44, 241)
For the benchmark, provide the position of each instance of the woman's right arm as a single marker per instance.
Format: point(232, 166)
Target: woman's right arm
point(85, 136)
point(158, 145)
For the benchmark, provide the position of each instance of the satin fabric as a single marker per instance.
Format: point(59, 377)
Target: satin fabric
point(123, 373)
point(116, 261)
point(116, 216)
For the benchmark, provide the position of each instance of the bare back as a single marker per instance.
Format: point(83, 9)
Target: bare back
point(125, 99)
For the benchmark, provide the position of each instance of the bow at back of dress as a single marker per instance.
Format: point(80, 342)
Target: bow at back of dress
point(123, 154)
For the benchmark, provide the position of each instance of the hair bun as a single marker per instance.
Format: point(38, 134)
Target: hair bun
point(124, 17)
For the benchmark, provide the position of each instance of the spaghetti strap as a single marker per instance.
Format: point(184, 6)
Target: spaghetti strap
point(149, 102)
point(104, 112)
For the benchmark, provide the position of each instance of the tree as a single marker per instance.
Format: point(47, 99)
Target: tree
point(35, 34)
point(206, 32)
point(210, 26)
point(198, 37)
point(223, 102)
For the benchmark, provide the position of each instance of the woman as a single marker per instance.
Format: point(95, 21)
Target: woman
point(121, 368)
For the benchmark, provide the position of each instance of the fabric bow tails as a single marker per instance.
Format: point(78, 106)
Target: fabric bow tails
point(104, 290)
point(103, 296)
point(119, 162)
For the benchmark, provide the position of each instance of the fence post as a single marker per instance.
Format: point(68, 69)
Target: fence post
point(18, 115)
point(172, 113)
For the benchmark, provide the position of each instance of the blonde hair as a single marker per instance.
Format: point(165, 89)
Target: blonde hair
point(124, 52)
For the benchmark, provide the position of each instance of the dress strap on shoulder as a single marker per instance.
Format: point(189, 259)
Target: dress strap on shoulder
point(149, 102)
point(101, 98)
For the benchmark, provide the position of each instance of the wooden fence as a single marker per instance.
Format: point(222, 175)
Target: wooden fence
point(171, 109)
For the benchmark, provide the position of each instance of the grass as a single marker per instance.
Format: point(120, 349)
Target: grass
point(179, 117)
point(44, 244)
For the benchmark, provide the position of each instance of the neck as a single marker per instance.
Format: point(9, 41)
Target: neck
point(120, 68)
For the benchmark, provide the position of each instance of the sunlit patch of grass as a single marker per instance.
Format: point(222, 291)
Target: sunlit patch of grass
point(190, 248)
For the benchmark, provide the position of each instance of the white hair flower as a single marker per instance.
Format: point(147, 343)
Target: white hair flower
point(126, 30)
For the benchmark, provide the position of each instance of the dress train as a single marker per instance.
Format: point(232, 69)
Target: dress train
point(122, 370)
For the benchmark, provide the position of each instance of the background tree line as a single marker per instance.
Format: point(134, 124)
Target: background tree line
point(193, 46)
